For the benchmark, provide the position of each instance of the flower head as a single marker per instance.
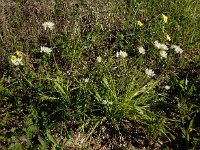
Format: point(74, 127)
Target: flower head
point(167, 87)
point(157, 44)
point(149, 72)
point(117, 54)
point(19, 53)
point(49, 25)
point(16, 60)
point(163, 54)
point(139, 23)
point(99, 59)
point(177, 49)
point(45, 49)
point(141, 50)
point(164, 18)
point(163, 47)
point(160, 46)
point(122, 54)
point(106, 102)
point(86, 80)
point(13, 57)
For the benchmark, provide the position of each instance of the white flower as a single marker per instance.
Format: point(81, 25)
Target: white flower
point(160, 46)
point(16, 61)
point(122, 54)
point(106, 102)
point(99, 59)
point(117, 54)
point(177, 49)
point(167, 87)
point(45, 49)
point(149, 72)
point(163, 47)
point(86, 80)
point(157, 44)
point(141, 50)
point(49, 25)
point(163, 54)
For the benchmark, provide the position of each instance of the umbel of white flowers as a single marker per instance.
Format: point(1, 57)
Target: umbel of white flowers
point(99, 59)
point(16, 60)
point(45, 49)
point(149, 72)
point(141, 50)
point(86, 80)
point(122, 54)
point(167, 87)
point(49, 25)
point(160, 46)
point(163, 54)
point(177, 49)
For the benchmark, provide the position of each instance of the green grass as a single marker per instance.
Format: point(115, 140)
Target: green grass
point(67, 99)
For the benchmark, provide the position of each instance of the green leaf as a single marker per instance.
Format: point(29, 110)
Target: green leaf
point(43, 143)
point(60, 88)
point(196, 139)
point(51, 138)
point(191, 123)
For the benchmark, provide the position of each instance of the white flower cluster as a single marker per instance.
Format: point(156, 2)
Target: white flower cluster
point(167, 87)
point(122, 54)
point(177, 49)
point(45, 49)
point(106, 102)
point(163, 54)
point(141, 50)
point(149, 72)
point(99, 59)
point(49, 25)
point(86, 80)
point(162, 48)
point(16, 60)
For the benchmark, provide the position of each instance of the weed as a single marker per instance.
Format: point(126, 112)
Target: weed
point(99, 74)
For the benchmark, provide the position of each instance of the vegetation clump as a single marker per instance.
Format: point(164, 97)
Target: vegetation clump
point(78, 74)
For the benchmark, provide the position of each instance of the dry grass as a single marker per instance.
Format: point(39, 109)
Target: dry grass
point(21, 21)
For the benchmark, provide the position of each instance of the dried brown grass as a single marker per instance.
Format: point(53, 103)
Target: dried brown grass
point(21, 27)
